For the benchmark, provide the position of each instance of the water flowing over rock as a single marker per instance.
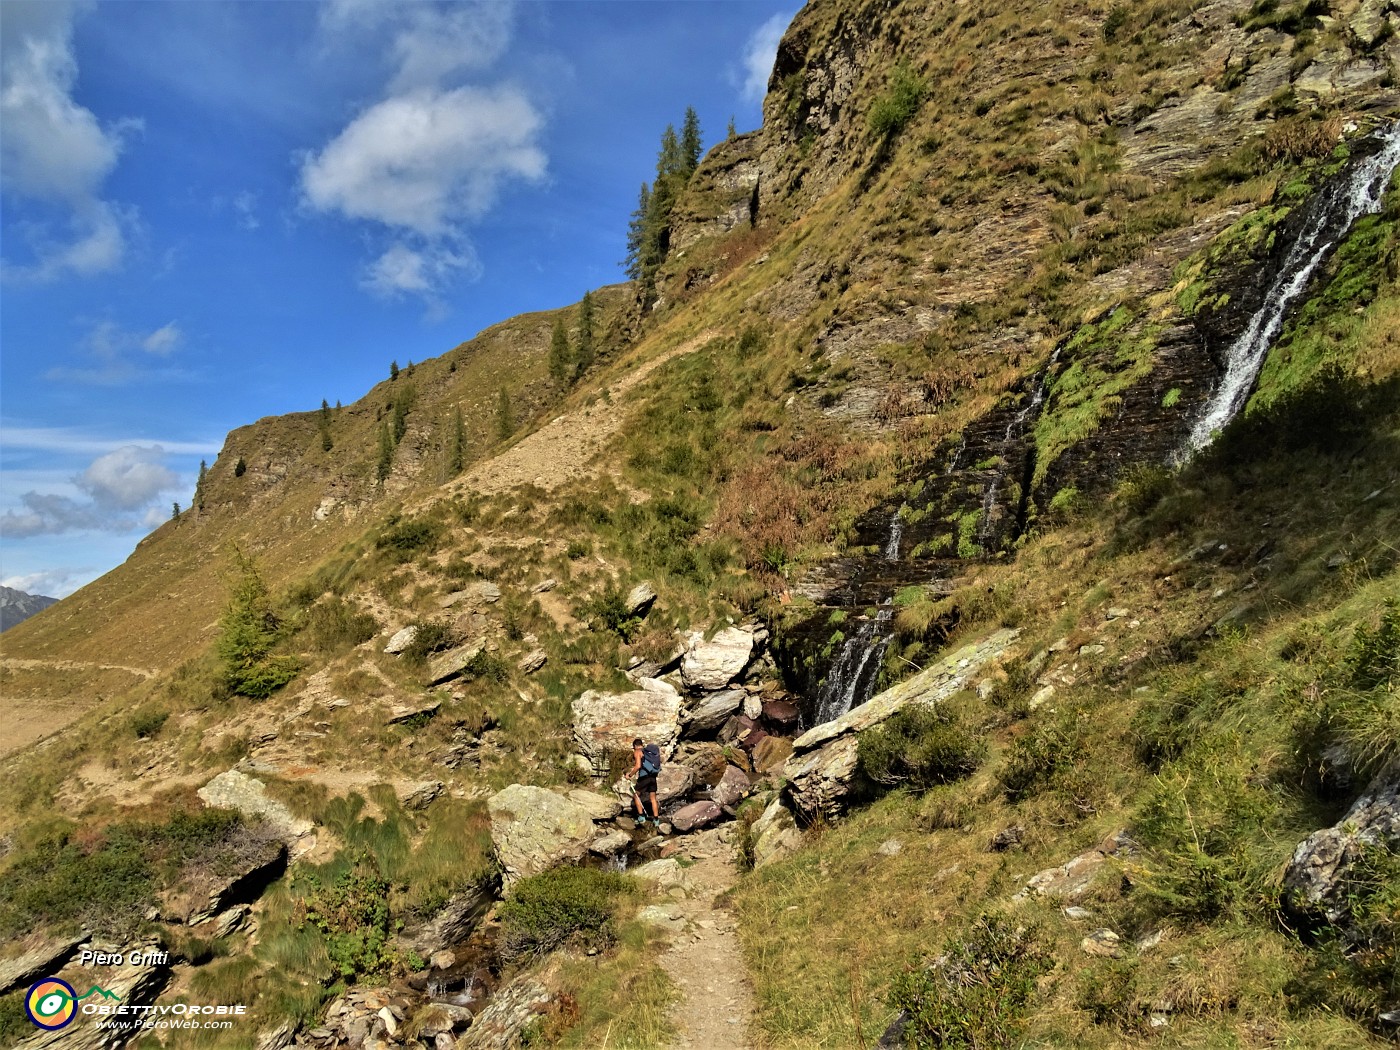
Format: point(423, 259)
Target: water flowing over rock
point(1331, 214)
point(712, 665)
point(606, 722)
point(823, 763)
point(851, 679)
point(532, 829)
point(454, 923)
point(1316, 884)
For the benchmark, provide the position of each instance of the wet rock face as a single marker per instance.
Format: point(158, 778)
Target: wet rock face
point(454, 923)
point(1316, 883)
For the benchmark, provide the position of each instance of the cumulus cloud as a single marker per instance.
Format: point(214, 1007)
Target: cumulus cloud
point(117, 485)
point(53, 150)
point(759, 52)
point(51, 583)
point(428, 160)
point(433, 155)
point(127, 478)
point(245, 206)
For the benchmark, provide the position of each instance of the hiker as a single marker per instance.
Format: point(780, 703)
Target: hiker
point(646, 763)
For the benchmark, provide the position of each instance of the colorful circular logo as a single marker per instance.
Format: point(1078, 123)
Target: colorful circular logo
point(51, 1003)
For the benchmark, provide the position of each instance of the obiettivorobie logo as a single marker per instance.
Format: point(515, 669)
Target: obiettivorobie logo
point(52, 1003)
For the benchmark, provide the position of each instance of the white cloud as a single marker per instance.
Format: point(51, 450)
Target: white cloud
point(759, 52)
point(245, 206)
point(47, 513)
point(427, 161)
point(422, 271)
point(163, 341)
point(52, 149)
point(431, 156)
point(51, 583)
point(68, 440)
point(127, 478)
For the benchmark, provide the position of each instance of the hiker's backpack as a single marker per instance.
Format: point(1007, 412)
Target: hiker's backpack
point(651, 760)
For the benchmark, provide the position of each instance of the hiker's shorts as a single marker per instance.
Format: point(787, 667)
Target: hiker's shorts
point(646, 785)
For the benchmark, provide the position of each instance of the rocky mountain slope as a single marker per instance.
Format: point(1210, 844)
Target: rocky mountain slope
point(910, 417)
point(16, 606)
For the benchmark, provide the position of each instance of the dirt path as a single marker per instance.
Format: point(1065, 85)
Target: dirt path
point(26, 721)
point(563, 449)
point(717, 1006)
point(74, 665)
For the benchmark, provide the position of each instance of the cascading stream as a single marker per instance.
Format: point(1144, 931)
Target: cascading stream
point(1029, 411)
point(891, 550)
point(851, 679)
point(1338, 209)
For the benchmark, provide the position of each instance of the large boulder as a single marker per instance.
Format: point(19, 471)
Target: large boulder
point(712, 665)
point(452, 664)
point(514, 1005)
point(606, 722)
point(774, 835)
point(823, 763)
point(695, 815)
point(639, 599)
point(532, 829)
point(1316, 883)
point(732, 787)
point(674, 781)
point(711, 710)
point(249, 860)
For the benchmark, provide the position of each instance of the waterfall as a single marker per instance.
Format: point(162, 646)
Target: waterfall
point(1338, 207)
point(848, 684)
point(891, 551)
point(1016, 425)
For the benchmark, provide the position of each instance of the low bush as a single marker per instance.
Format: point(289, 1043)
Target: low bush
point(147, 722)
point(335, 625)
point(353, 913)
point(978, 992)
point(608, 611)
point(920, 746)
point(401, 541)
point(547, 910)
point(893, 110)
point(432, 636)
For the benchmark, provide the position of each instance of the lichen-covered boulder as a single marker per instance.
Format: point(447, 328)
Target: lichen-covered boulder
point(712, 710)
point(712, 665)
point(606, 722)
point(532, 829)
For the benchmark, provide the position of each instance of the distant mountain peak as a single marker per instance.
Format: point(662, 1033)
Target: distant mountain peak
point(17, 606)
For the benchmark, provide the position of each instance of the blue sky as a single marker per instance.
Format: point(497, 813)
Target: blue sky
point(214, 212)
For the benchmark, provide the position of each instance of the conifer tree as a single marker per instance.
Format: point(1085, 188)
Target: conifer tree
point(670, 162)
point(583, 349)
point(240, 468)
point(505, 421)
point(325, 424)
point(393, 370)
point(637, 236)
point(403, 401)
point(199, 485)
point(386, 451)
point(248, 630)
point(690, 142)
point(560, 359)
point(175, 512)
point(457, 450)
point(731, 132)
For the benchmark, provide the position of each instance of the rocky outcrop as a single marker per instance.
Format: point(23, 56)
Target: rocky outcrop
point(711, 711)
point(248, 795)
point(532, 829)
point(452, 664)
point(774, 835)
point(252, 859)
point(421, 795)
point(514, 1006)
point(823, 764)
point(695, 815)
point(454, 923)
point(1316, 884)
point(38, 959)
point(1070, 882)
point(134, 986)
point(607, 722)
point(639, 599)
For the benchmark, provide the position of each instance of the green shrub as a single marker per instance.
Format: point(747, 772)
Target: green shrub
point(608, 611)
point(893, 110)
point(433, 636)
point(920, 746)
point(978, 992)
point(147, 722)
point(402, 540)
point(546, 910)
point(353, 914)
point(1039, 757)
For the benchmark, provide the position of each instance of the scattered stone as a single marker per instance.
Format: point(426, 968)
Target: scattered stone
point(770, 753)
point(712, 710)
point(513, 1006)
point(1316, 886)
point(532, 829)
point(782, 714)
point(1115, 613)
point(407, 712)
point(732, 787)
point(1337, 560)
point(1149, 942)
point(401, 640)
point(1102, 943)
point(667, 916)
point(544, 585)
point(890, 848)
point(447, 601)
point(774, 835)
point(712, 665)
point(666, 874)
point(1007, 838)
point(695, 815)
point(451, 664)
point(1077, 913)
point(753, 706)
point(231, 920)
point(422, 794)
point(443, 960)
point(1040, 696)
point(610, 844)
point(1090, 650)
point(1071, 881)
point(532, 661)
point(391, 1023)
point(640, 599)
point(277, 1039)
point(488, 592)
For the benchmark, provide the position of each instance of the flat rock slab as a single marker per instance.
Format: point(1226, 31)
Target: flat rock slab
point(43, 957)
point(248, 795)
point(401, 640)
point(532, 829)
point(712, 665)
point(401, 713)
point(610, 844)
point(695, 815)
point(421, 794)
point(712, 710)
point(602, 807)
point(452, 663)
point(1070, 882)
point(930, 685)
